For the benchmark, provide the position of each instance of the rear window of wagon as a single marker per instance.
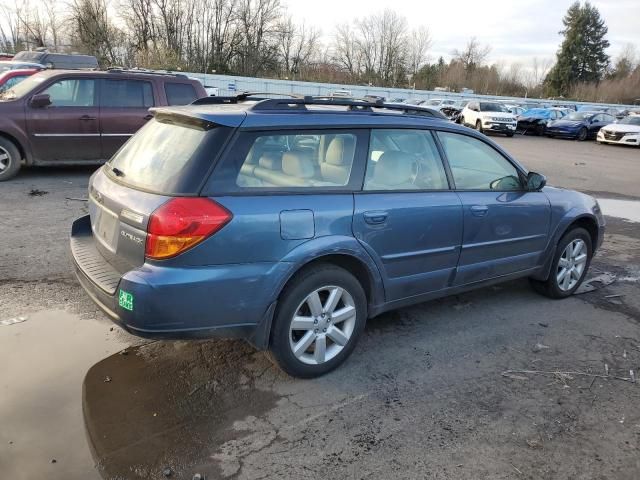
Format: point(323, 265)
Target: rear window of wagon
point(169, 156)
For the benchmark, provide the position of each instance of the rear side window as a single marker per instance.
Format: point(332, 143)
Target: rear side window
point(404, 160)
point(168, 156)
point(477, 166)
point(292, 161)
point(126, 94)
point(180, 93)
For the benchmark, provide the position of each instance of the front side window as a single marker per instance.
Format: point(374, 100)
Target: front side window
point(180, 93)
point(126, 94)
point(72, 92)
point(304, 159)
point(477, 166)
point(404, 160)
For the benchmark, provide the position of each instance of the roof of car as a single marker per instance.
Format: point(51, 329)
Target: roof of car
point(250, 115)
point(114, 73)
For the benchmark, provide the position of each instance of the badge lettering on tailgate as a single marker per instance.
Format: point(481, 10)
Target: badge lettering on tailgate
point(133, 238)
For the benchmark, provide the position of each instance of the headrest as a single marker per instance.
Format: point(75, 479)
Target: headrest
point(298, 163)
point(341, 150)
point(394, 168)
point(271, 160)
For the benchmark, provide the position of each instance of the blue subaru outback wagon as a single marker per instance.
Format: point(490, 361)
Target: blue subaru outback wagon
point(290, 222)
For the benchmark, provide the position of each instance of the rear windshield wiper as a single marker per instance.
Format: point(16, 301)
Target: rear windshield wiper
point(117, 172)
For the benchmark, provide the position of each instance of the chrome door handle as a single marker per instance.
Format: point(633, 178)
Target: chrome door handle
point(479, 210)
point(376, 217)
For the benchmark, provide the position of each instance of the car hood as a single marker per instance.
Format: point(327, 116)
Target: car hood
point(530, 118)
point(617, 127)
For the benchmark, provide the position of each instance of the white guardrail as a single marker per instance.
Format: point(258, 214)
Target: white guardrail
point(232, 85)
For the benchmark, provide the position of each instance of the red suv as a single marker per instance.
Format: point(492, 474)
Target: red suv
point(59, 117)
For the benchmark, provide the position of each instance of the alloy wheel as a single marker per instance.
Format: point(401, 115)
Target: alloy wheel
point(322, 325)
point(571, 265)
point(5, 159)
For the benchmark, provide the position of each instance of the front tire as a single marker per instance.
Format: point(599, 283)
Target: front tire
point(582, 134)
point(320, 316)
point(479, 126)
point(10, 159)
point(569, 267)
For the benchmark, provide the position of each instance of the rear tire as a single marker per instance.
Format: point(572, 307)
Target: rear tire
point(329, 306)
point(10, 159)
point(570, 265)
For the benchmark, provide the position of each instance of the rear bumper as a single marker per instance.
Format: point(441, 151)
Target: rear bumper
point(234, 301)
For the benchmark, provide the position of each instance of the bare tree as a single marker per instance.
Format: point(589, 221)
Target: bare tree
point(258, 24)
point(346, 50)
point(418, 46)
point(472, 55)
point(93, 30)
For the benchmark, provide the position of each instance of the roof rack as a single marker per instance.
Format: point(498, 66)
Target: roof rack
point(241, 97)
point(352, 104)
point(145, 71)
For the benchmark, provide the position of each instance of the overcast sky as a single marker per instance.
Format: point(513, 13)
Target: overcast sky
point(516, 30)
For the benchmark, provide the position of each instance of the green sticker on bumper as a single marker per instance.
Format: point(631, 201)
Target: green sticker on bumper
point(125, 300)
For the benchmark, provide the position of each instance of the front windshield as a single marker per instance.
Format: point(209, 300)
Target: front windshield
point(578, 116)
point(635, 120)
point(492, 107)
point(22, 88)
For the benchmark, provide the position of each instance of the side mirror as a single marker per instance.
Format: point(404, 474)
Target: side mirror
point(535, 181)
point(41, 100)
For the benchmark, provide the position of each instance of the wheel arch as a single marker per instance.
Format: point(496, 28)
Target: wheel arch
point(21, 148)
point(586, 221)
point(345, 253)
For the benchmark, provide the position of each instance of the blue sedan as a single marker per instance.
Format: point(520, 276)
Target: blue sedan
point(579, 125)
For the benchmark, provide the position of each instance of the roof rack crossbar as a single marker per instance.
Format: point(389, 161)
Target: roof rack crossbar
point(353, 104)
point(240, 97)
point(144, 72)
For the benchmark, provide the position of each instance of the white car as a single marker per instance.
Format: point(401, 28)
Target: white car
point(489, 117)
point(625, 132)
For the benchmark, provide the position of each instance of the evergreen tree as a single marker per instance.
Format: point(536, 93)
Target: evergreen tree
point(582, 56)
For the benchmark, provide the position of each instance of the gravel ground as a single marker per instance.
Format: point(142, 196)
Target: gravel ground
point(441, 390)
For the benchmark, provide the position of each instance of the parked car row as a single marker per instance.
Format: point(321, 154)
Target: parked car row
point(604, 124)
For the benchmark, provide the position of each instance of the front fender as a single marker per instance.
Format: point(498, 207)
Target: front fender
point(559, 229)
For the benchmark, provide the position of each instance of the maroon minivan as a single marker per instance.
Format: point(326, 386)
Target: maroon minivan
point(60, 117)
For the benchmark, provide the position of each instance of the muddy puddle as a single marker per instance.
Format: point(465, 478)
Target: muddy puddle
point(161, 410)
point(625, 209)
point(43, 359)
point(77, 401)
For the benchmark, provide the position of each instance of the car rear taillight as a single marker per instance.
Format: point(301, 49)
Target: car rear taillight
point(182, 223)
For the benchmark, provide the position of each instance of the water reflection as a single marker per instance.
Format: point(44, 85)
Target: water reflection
point(163, 408)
